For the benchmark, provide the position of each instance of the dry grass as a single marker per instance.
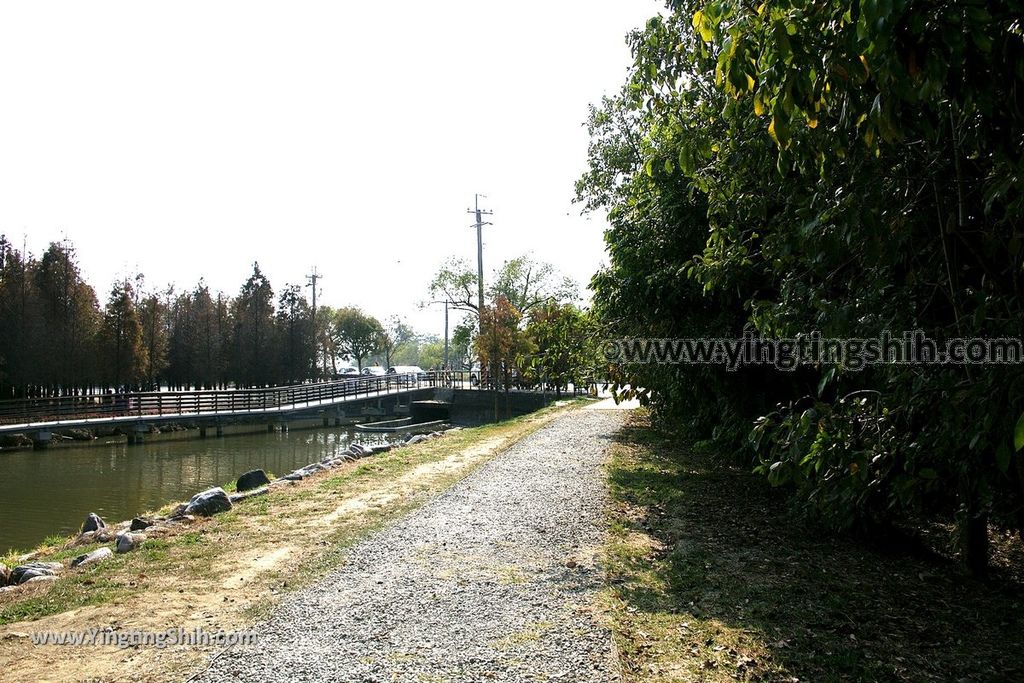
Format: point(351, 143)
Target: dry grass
point(710, 580)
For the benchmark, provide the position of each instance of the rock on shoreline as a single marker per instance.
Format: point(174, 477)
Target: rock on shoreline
point(208, 503)
point(95, 556)
point(129, 536)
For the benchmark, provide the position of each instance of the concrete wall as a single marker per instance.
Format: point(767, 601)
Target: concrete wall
point(471, 407)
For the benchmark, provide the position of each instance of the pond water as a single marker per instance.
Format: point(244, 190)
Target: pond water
point(50, 491)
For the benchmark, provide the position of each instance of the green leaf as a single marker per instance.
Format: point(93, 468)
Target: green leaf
point(928, 473)
point(703, 26)
point(777, 474)
point(1018, 434)
point(758, 105)
point(685, 159)
point(825, 379)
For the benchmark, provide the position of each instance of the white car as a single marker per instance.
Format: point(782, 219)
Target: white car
point(408, 371)
point(374, 371)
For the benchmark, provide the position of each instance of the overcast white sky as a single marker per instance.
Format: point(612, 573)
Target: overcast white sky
point(189, 139)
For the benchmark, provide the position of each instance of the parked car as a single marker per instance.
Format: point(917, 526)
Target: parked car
point(374, 371)
point(346, 373)
point(412, 372)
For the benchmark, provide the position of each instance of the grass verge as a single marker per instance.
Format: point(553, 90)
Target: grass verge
point(192, 550)
point(710, 580)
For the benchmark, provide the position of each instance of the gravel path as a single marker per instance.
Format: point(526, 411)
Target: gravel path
point(494, 580)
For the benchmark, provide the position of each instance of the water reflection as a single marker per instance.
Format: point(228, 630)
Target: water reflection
point(50, 492)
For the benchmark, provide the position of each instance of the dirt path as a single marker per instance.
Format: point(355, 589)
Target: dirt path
point(493, 580)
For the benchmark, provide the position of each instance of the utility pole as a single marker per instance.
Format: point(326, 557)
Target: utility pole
point(445, 366)
point(312, 283)
point(479, 214)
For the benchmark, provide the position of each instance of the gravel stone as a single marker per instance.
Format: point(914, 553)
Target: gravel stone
point(495, 580)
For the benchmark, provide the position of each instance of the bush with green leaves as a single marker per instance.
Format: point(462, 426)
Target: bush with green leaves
point(849, 168)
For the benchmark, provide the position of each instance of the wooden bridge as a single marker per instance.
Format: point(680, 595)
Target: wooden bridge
point(39, 417)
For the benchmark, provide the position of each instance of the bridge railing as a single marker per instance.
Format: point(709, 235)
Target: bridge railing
point(218, 402)
point(224, 401)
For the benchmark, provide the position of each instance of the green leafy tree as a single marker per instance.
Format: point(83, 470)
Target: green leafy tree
point(565, 341)
point(356, 334)
point(456, 283)
point(525, 282)
point(430, 354)
point(461, 343)
point(841, 167)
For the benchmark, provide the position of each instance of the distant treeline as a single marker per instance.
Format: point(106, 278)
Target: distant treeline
point(57, 339)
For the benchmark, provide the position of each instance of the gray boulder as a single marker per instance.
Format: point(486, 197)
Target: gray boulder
point(95, 556)
point(140, 523)
point(307, 471)
point(252, 480)
point(93, 522)
point(30, 570)
point(129, 541)
point(208, 503)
